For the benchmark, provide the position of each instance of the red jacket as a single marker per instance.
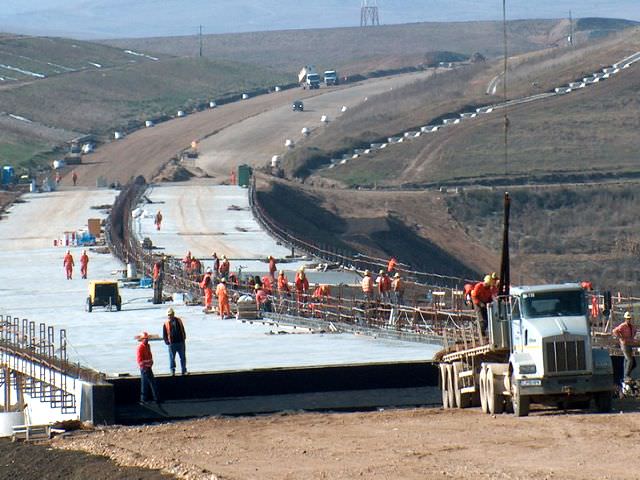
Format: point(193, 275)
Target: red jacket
point(144, 356)
point(481, 293)
point(302, 284)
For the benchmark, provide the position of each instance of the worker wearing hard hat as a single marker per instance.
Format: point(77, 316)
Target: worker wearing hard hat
point(223, 299)
point(367, 286)
point(482, 295)
point(384, 285)
point(207, 287)
point(283, 284)
point(174, 337)
point(302, 286)
point(626, 334)
point(145, 362)
point(272, 267)
point(68, 264)
point(397, 289)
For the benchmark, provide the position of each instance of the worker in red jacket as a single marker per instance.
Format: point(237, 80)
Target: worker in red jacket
point(158, 220)
point(223, 299)
point(482, 295)
point(68, 264)
point(84, 262)
point(145, 362)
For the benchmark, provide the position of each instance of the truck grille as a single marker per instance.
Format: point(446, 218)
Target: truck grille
point(565, 355)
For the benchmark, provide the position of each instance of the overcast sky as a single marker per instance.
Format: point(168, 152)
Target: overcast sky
point(141, 18)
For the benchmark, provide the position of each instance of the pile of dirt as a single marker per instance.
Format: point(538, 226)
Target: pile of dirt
point(27, 461)
point(175, 172)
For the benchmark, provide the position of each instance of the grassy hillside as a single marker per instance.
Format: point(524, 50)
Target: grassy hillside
point(65, 88)
point(573, 133)
point(586, 232)
point(355, 49)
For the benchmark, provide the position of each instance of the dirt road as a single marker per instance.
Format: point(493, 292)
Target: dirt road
point(145, 151)
point(394, 444)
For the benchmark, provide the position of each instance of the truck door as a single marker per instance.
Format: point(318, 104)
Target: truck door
point(517, 334)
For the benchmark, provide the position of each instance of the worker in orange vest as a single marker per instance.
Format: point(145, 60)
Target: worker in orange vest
point(207, 287)
point(482, 295)
point(367, 286)
point(384, 285)
point(302, 285)
point(84, 262)
point(283, 284)
point(158, 279)
point(224, 267)
point(272, 267)
point(68, 264)
point(223, 299)
point(391, 266)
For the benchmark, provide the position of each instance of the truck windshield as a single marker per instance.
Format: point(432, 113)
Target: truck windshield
point(313, 76)
point(553, 304)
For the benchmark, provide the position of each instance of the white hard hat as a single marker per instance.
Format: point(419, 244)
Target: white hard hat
point(170, 311)
point(627, 315)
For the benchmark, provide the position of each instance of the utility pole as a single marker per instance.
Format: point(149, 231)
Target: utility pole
point(200, 41)
point(570, 29)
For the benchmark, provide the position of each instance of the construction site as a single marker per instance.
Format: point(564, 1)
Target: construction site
point(330, 319)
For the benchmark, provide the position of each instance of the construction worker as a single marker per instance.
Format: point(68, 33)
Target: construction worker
point(145, 362)
point(84, 262)
point(174, 337)
point(626, 334)
point(384, 285)
point(216, 263)
point(74, 178)
point(397, 289)
point(58, 178)
point(158, 220)
point(391, 266)
point(186, 262)
point(263, 303)
point(68, 264)
point(272, 267)
point(283, 284)
point(495, 284)
point(224, 267)
point(302, 286)
point(482, 295)
point(367, 286)
point(267, 284)
point(223, 299)
point(158, 279)
point(196, 267)
point(468, 288)
point(207, 287)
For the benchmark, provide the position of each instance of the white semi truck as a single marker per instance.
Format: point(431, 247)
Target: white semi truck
point(330, 78)
point(308, 77)
point(539, 350)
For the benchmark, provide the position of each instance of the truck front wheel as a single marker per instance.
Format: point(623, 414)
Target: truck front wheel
point(520, 403)
point(483, 390)
point(603, 402)
point(494, 399)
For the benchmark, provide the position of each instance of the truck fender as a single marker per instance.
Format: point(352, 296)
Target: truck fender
point(519, 358)
point(601, 361)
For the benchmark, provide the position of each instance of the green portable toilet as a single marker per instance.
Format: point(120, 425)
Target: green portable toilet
point(244, 175)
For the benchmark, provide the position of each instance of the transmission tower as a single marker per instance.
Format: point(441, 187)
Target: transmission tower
point(369, 15)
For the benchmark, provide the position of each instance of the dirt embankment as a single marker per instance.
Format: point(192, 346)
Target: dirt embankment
point(412, 444)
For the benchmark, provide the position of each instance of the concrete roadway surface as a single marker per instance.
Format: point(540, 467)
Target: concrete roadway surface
point(256, 139)
point(34, 287)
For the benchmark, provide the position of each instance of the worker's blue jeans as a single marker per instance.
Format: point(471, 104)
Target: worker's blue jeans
point(148, 381)
point(629, 361)
point(178, 348)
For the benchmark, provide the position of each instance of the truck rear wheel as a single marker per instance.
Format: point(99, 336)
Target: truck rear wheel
point(483, 390)
point(462, 401)
point(444, 382)
point(450, 386)
point(520, 403)
point(494, 399)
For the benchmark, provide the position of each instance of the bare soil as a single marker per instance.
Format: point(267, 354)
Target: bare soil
point(403, 444)
point(22, 461)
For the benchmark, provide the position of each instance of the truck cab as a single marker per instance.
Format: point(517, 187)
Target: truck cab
point(313, 81)
point(330, 78)
point(547, 332)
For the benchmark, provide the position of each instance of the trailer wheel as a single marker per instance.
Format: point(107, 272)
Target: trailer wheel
point(451, 386)
point(483, 390)
point(520, 403)
point(494, 399)
point(603, 402)
point(444, 381)
point(462, 401)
